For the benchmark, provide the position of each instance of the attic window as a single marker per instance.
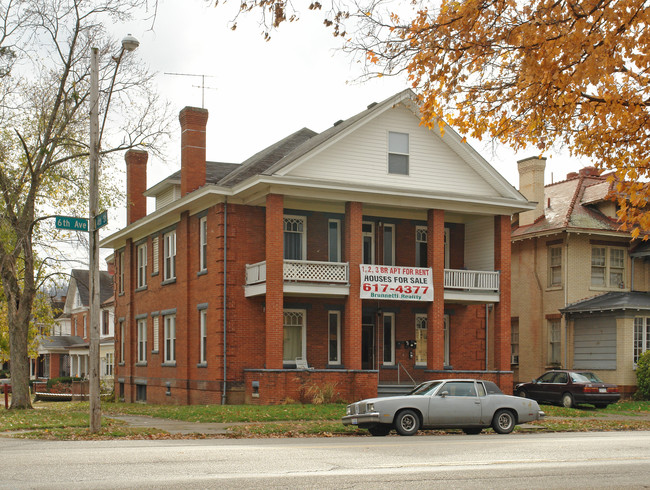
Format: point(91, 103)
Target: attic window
point(398, 153)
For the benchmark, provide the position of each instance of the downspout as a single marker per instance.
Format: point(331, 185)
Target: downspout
point(566, 303)
point(632, 274)
point(225, 296)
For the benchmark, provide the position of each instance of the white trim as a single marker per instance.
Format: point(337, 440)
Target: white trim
point(303, 234)
point(141, 345)
point(203, 243)
point(203, 336)
point(169, 322)
point(141, 265)
point(169, 252)
point(303, 333)
point(370, 234)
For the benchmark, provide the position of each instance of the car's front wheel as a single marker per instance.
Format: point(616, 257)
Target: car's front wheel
point(503, 421)
point(379, 430)
point(567, 400)
point(522, 393)
point(407, 423)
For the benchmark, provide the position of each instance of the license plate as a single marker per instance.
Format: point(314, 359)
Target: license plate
point(355, 422)
point(602, 390)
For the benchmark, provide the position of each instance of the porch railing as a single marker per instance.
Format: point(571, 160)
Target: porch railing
point(471, 280)
point(302, 271)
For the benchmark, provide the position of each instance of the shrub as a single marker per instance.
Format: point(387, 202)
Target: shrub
point(64, 380)
point(321, 394)
point(643, 377)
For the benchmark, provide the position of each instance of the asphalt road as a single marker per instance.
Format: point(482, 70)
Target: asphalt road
point(577, 460)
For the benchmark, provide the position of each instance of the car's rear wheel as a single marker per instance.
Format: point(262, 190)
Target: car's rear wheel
point(380, 430)
point(407, 423)
point(472, 430)
point(567, 400)
point(522, 393)
point(504, 421)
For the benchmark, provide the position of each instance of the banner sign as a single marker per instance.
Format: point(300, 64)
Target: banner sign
point(398, 283)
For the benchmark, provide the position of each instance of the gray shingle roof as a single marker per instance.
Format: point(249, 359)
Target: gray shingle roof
point(105, 285)
point(634, 300)
point(60, 342)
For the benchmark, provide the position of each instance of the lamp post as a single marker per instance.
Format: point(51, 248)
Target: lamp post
point(129, 43)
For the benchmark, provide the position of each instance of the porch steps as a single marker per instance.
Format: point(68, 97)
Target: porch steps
point(393, 389)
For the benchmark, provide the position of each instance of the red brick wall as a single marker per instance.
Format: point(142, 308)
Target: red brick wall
point(193, 137)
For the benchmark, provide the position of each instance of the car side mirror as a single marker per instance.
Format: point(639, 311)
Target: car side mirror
point(534, 381)
point(444, 394)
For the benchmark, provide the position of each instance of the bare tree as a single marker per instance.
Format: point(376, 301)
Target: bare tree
point(44, 90)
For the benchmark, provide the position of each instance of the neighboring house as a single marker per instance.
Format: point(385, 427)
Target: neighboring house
point(375, 251)
point(65, 351)
point(579, 287)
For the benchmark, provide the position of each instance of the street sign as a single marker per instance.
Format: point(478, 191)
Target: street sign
point(70, 223)
point(101, 219)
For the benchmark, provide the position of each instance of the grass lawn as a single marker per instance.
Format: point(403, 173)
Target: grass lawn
point(69, 420)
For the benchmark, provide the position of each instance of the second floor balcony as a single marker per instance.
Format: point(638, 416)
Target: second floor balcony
point(315, 278)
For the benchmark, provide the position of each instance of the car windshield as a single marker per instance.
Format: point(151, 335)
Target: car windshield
point(579, 378)
point(425, 388)
point(592, 377)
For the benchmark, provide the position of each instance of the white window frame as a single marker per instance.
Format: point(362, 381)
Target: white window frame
point(109, 363)
point(203, 336)
point(395, 151)
point(141, 254)
point(334, 255)
point(607, 267)
point(421, 333)
point(85, 326)
point(336, 358)
point(390, 360)
point(288, 222)
point(554, 341)
point(391, 243)
point(169, 322)
point(640, 338)
point(169, 242)
point(141, 326)
point(554, 265)
point(203, 243)
point(421, 236)
point(303, 332)
point(371, 235)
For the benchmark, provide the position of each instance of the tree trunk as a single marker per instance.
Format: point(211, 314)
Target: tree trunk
point(18, 328)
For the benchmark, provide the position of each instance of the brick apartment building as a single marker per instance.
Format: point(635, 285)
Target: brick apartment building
point(374, 252)
point(579, 285)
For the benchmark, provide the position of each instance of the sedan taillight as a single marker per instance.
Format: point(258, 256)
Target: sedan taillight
point(590, 389)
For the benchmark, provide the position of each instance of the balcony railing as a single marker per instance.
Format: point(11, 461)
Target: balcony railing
point(302, 271)
point(471, 280)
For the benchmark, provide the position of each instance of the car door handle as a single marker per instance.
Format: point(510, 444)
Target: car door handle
point(476, 402)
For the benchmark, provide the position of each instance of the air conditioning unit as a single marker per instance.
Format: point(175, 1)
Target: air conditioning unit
point(514, 359)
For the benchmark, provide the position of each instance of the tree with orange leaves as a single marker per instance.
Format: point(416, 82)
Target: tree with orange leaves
point(539, 73)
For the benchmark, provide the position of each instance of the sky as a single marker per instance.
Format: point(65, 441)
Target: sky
point(258, 92)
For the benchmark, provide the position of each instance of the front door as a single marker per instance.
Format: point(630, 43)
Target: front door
point(367, 343)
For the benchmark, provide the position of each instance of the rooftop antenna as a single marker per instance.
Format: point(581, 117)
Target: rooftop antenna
point(202, 86)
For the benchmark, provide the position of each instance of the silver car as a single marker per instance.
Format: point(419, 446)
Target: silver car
point(467, 404)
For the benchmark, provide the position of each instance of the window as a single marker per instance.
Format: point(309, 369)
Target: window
point(420, 340)
point(122, 341)
point(85, 326)
point(142, 340)
point(421, 246)
point(389, 245)
point(295, 238)
point(389, 338)
point(121, 278)
point(398, 153)
point(368, 232)
point(203, 243)
point(203, 336)
point(155, 248)
point(334, 336)
point(608, 267)
point(169, 245)
point(140, 393)
point(294, 335)
point(641, 337)
point(554, 341)
point(555, 266)
point(156, 333)
point(108, 364)
point(170, 338)
point(106, 331)
point(142, 265)
point(334, 240)
point(514, 341)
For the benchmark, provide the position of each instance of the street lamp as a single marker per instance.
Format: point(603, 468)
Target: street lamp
point(129, 43)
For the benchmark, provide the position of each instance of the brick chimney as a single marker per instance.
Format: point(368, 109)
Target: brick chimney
point(531, 185)
point(193, 122)
point(136, 184)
